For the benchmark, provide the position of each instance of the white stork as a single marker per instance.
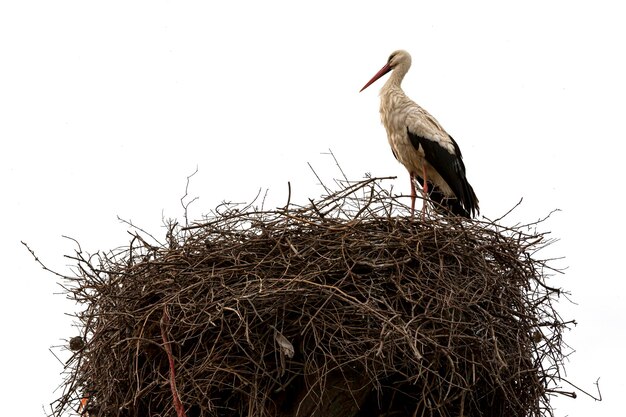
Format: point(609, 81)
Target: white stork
point(419, 142)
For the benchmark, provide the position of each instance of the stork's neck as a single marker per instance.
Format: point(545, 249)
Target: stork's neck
point(395, 79)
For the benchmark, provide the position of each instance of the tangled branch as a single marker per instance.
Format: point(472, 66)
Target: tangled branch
point(345, 306)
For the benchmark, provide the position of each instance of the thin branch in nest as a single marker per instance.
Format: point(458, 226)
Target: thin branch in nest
point(178, 405)
point(186, 204)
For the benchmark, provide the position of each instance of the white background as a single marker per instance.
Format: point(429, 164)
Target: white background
point(105, 108)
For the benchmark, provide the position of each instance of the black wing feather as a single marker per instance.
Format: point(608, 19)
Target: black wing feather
point(452, 170)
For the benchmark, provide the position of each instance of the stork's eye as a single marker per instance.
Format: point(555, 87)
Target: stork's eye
point(392, 56)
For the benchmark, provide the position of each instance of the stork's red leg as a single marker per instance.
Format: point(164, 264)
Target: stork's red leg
point(425, 188)
point(413, 194)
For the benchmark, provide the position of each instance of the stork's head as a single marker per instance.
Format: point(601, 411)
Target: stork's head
point(400, 61)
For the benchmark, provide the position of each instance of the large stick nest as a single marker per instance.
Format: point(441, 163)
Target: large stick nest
point(345, 307)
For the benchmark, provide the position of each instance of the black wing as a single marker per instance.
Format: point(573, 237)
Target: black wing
point(452, 169)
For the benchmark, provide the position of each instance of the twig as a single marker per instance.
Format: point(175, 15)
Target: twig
point(178, 405)
point(182, 202)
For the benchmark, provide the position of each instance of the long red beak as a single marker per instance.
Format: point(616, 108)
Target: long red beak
point(384, 70)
